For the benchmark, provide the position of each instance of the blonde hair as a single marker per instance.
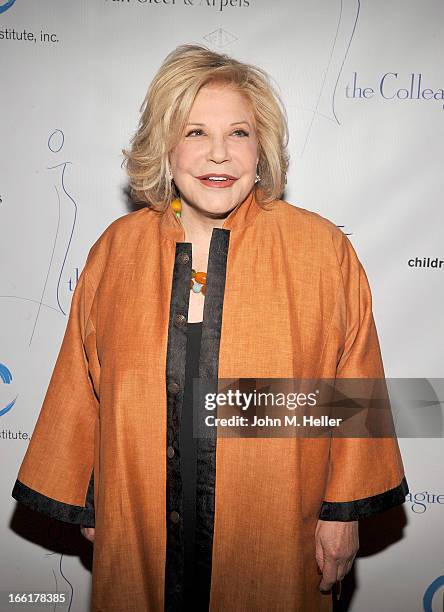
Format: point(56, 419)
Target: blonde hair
point(165, 111)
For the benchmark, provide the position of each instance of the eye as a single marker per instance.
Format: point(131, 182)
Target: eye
point(244, 133)
point(192, 131)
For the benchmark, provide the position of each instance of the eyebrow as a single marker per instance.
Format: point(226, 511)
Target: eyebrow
point(235, 123)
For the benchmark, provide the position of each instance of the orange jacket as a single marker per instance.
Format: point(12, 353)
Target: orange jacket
point(286, 297)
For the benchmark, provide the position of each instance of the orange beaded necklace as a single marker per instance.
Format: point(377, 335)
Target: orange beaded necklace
point(198, 281)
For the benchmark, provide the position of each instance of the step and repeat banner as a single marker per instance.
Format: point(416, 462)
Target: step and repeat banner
point(362, 84)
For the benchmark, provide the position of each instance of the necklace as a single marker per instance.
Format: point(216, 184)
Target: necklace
point(198, 281)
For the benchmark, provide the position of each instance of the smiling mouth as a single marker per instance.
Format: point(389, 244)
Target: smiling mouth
point(218, 183)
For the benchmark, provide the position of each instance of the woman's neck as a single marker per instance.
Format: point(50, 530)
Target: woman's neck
point(199, 227)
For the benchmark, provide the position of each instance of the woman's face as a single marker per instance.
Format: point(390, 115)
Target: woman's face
point(219, 138)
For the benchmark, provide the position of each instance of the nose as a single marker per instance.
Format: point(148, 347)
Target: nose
point(218, 150)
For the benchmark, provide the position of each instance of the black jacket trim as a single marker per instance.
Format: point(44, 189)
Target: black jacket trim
point(78, 515)
point(363, 508)
point(206, 446)
point(175, 382)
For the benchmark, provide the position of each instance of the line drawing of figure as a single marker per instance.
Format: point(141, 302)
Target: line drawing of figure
point(347, 20)
point(65, 222)
point(55, 144)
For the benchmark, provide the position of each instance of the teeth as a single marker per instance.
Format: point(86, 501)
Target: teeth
point(217, 178)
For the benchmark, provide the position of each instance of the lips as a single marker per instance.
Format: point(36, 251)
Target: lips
point(227, 176)
point(218, 181)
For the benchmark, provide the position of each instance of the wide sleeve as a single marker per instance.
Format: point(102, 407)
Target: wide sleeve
point(366, 475)
point(56, 474)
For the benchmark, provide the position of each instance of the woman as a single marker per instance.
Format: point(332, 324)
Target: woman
point(232, 282)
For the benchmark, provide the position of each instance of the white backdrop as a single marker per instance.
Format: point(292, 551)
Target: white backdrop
point(362, 84)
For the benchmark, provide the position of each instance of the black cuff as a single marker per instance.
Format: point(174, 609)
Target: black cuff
point(362, 508)
point(78, 515)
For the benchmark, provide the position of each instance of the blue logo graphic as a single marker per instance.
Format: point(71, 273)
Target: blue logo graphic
point(430, 592)
point(6, 377)
point(7, 5)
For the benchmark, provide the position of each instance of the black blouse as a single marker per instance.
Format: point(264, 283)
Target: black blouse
point(195, 595)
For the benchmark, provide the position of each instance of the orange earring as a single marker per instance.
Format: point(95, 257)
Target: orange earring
point(177, 207)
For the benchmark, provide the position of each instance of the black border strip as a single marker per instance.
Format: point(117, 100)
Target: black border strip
point(206, 447)
point(363, 508)
point(175, 382)
point(77, 515)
